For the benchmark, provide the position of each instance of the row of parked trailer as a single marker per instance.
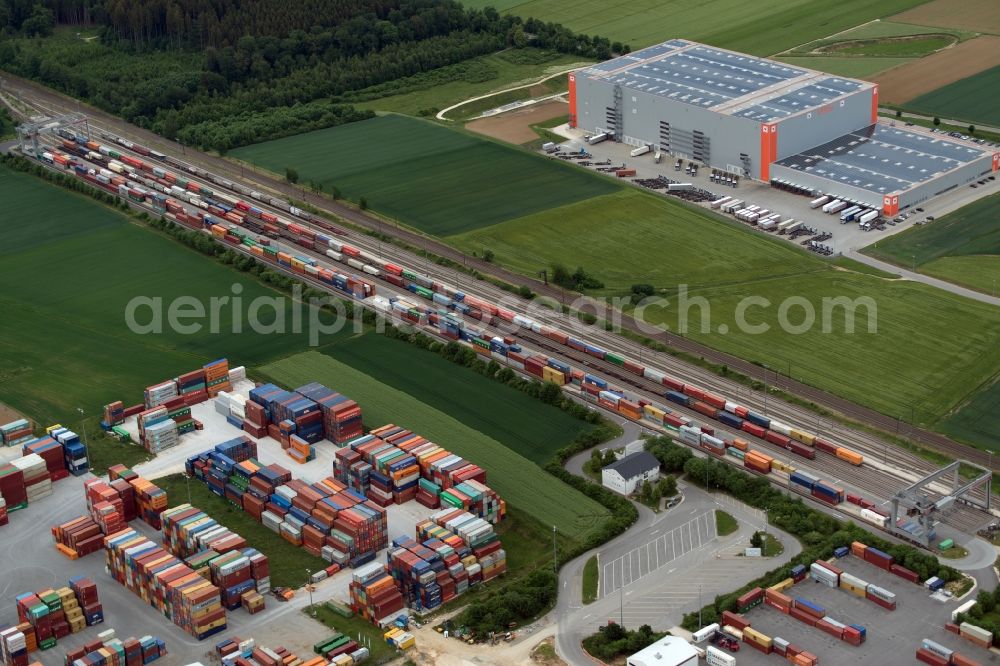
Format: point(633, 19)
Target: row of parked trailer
point(863, 215)
point(755, 215)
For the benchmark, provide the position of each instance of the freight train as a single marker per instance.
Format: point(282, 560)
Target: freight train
point(230, 220)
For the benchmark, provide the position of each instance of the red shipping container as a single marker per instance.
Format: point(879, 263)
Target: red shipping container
point(828, 628)
point(852, 636)
point(928, 657)
point(734, 620)
point(952, 627)
point(803, 616)
point(825, 446)
point(961, 660)
point(853, 499)
point(905, 573)
point(888, 605)
point(776, 438)
point(753, 429)
point(766, 649)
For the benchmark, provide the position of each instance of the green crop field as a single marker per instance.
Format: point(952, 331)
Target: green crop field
point(761, 28)
point(633, 237)
point(69, 268)
point(435, 179)
point(962, 247)
point(978, 420)
point(914, 47)
point(518, 480)
point(851, 66)
point(517, 420)
point(975, 99)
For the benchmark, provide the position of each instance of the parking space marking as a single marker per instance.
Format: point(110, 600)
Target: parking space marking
point(647, 558)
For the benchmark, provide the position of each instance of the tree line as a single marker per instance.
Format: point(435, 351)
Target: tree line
point(171, 65)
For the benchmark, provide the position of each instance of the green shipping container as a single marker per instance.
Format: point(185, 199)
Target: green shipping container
point(115, 154)
point(734, 452)
point(946, 544)
point(611, 358)
point(319, 647)
point(426, 293)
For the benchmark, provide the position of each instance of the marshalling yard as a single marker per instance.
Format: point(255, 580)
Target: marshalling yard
point(401, 525)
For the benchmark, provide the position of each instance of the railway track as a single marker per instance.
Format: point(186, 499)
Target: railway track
point(868, 479)
point(30, 91)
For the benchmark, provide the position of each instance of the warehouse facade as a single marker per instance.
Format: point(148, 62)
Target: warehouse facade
point(743, 114)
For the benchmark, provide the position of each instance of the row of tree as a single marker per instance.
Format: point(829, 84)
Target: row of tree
point(613, 640)
point(984, 613)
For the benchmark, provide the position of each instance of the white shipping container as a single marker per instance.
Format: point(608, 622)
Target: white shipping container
point(654, 375)
point(885, 595)
point(781, 428)
point(706, 633)
point(718, 202)
point(978, 632)
point(731, 407)
point(873, 517)
point(964, 608)
point(690, 434)
point(853, 580)
point(869, 217)
point(641, 150)
point(829, 206)
point(716, 657)
point(816, 203)
point(936, 648)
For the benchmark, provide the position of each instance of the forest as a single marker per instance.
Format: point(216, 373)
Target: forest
point(196, 71)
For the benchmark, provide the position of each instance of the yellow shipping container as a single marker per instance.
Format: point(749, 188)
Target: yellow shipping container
point(48, 431)
point(654, 413)
point(553, 375)
point(783, 585)
point(757, 637)
point(853, 589)
point(782, 467)
point(803, 437)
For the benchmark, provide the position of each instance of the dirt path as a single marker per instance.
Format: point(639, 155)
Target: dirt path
point(515, 126)
point(9, 414)
point(434, 648)
point(901, 84)
point(443, 112)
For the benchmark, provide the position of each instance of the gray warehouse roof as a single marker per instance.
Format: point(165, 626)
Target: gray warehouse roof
point(725, 81)
point(634, 464)
point(883, 159)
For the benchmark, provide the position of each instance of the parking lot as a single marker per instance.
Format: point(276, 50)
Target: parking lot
point(893, 636)
point(845, 237)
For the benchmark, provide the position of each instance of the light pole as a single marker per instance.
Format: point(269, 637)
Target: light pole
point(555, 561)
point(621, 599)
point(312, 609)
point(83, 428)
point(765, 389)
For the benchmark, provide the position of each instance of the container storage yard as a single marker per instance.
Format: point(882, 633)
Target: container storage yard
point(858, 606)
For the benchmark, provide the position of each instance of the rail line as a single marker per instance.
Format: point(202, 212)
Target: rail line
point(868, 478)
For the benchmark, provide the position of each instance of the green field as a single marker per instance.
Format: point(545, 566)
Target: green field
point(978, 420)
point(879, 29)
point(288, 563)
point(725, 524)
point(590, 580)
point(975, 99)
point(426, 176)
point(961, 247)
point(518, 480)
point(501, 413)
point(851, 66)
point(760, 28)
point(667, 245)
point(895, 48)
point(69, 267)
point(442, 87)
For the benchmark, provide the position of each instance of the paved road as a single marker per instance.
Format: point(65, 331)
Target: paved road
point(925, 279)
point(946, 121)
point(443, 112)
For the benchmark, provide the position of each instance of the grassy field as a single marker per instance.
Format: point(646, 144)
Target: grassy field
point(517, 420)
point(761, 28)
point(518, 480)
point(451, 84)
point(725, 524)
point(429, 177)
point(915, 47)
point(874, 30)
point(475, 108)
point(975, 99)
point(288, 563)
point(850, 66)
point(675, 245)
point(380, 650)
point(69, 267)
point(590, 580)
point(978, 420)
point(962, 247)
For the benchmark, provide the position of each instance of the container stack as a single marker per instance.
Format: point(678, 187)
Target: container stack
point(976, 635)
point(110, 651)
point(12, 489)
point(105, 506)
point(179, 412)
point(50, 450)
point(217, 377)
point(374, 594)
point(114, 414)
point(188, 530)
point(192, 386)
point(37, 481)
point(16, 433)
point(341, 415)
point(462, 530)
point(340, 649)
point(13, 647)
point(49, 615)
point(738, 626)
point(78, 537)
point(300, 450)
point(74, 452)
point(350, 468)
point(150, 500)
point(166, 583)
point(157, 432)
point(428, 494)
point(156, 395)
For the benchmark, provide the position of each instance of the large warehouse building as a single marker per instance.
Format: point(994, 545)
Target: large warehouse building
point(768, 121)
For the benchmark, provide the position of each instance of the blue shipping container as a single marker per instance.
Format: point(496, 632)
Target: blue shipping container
point(596, 381)
point(802, 480)
point(840, 552)
point(730, 419)
point(799, 601)
point(757, 419)
point(679, 398)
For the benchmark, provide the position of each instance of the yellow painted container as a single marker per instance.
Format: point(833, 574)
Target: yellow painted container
point(757, 637)
point(48, 431)
point(654, 413)
point(803, 437)
point(553, 375)
point(783, 585)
